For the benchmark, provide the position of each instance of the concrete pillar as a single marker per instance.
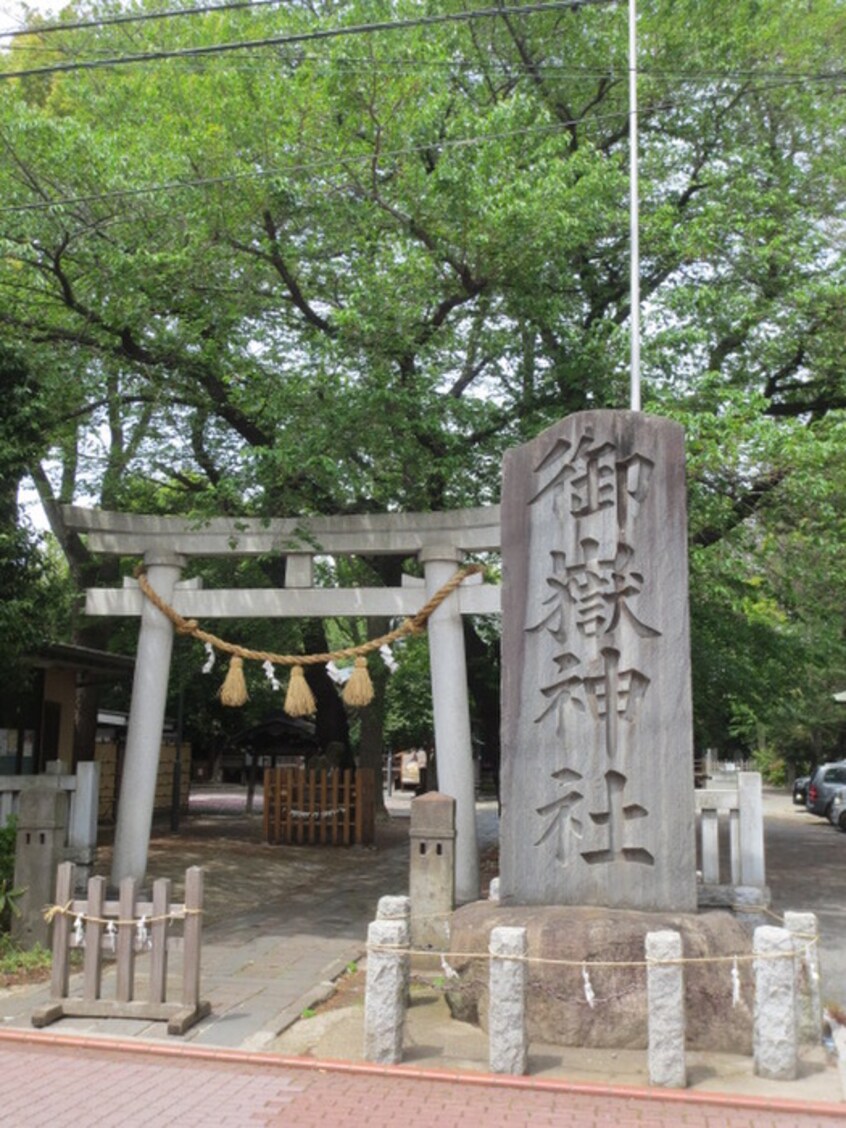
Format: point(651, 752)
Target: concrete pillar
point(451, 707)
point(82, 826)
point(775, 1042)
point(750, 803)
point(507, 1034)
point(431, 876)
point(665, 1006)
point(385, 990)
point(39, 848)
point(146, 721)
point(804, 929)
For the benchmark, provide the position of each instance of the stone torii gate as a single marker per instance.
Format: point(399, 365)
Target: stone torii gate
point(439, 540)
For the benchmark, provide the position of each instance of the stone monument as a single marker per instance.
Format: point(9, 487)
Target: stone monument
point(597, 762)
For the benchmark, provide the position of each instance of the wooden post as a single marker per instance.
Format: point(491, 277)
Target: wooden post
point(61, 931)
point(92, 962)
point(126, 941)
point(287, 797)
point(192, 936)
point(359, 807)
point(268, 801)
point(347, 803)
point(326, 825)
point(336, 821)
point(158, 937)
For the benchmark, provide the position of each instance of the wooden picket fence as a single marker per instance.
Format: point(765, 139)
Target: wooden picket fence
point(119, 930)
point(332, 808)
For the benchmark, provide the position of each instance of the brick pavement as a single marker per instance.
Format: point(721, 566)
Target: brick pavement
point(56, 1081)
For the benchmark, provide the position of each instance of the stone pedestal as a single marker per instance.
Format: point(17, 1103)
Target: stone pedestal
point(597, 761)
point(565, 939)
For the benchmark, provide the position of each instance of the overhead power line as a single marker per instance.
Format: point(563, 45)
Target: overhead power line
point(135, 17)
point(309, 36)
point(290, 170)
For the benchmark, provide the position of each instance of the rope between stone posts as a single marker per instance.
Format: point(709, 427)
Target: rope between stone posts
point(749, 957)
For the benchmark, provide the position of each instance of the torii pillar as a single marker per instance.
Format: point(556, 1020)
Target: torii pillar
point(146, 722)
point(451, 709)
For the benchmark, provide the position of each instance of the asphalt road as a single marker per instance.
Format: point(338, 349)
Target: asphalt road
point(806, 872)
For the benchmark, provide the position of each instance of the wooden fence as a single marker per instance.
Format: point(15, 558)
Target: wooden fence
point(119, 930)
point(332, 808)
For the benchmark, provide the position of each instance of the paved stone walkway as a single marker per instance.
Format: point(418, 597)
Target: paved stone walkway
point(64, 1082)
point(279, 926)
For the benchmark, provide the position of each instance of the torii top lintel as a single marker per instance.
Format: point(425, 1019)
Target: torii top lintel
point(370, 534)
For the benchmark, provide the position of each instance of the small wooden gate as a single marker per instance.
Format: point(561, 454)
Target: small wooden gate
point(125, 927)
point(333, 808)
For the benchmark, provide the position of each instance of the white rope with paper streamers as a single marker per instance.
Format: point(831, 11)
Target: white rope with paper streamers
point(590, 996)
point(210, 658)
point(338, 675)
point(142, 935)
point(735, 983)
point(448, 970)
point(111, 934)
point(811, 966)
point(79, 931)
point(270, 674)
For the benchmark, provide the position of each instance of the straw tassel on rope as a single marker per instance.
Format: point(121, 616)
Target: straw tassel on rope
point(234, 689)
point(359, 688)
point(299, 701)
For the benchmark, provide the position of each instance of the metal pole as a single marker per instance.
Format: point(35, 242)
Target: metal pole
point(634, 207)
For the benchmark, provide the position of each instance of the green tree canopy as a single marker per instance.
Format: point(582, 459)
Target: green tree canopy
point(344, 273)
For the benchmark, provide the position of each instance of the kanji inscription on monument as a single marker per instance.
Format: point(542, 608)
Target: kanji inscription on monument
point(597, 769)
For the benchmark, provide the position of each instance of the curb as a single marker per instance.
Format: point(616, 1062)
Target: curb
point(102, 1044)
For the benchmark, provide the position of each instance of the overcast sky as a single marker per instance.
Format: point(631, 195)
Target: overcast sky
point(12, 13)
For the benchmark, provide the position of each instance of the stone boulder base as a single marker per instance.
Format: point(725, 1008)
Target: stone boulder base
point(558, 1012)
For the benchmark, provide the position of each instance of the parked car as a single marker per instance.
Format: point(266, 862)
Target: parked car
point(800, 790)
point(837, 809)
point(825, 780)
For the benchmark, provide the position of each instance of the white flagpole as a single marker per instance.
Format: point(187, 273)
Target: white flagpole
point(634, 207)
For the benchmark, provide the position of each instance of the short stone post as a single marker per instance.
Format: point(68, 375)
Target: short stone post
point(507, 1035)
point(665, 1002)
point(39, 848)
point(385, 991)
point(774, 1038)
point(804, 929)
point(432, 869)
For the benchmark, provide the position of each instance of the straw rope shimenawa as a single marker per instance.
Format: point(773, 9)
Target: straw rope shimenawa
point(299, 701)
